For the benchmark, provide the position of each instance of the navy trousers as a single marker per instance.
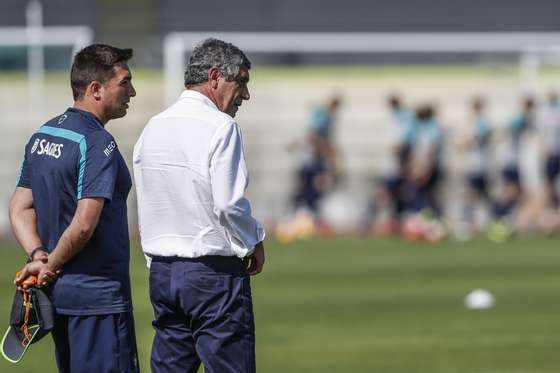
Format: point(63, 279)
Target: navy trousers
point(96, 344)
point(203, 313)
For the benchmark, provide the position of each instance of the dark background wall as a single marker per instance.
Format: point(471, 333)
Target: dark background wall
point(143, 23)
point(362, 15)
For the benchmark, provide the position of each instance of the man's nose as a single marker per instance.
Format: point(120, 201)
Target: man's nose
point(246, 94)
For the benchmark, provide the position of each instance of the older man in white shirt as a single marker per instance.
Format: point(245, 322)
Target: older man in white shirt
point(196, 226)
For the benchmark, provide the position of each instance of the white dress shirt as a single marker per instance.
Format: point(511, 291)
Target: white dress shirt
point(191, 176)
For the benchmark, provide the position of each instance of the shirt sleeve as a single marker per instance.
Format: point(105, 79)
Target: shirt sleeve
point(24, 177)
point(229, 179)
point(98, 166)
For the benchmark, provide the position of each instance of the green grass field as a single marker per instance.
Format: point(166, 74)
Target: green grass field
point(366, 305)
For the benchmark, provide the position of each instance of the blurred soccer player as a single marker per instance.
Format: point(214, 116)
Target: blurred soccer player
point(549, 129)
point(478, 162)
point(69, 214)
point(402, 132)
point(427, 171)
point(510, 196)
point(548, 125)
point(318, 166)
point(196, 225)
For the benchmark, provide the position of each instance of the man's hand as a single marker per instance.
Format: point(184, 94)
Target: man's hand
point(39, 255)
point(255, 261)
point(39, 268)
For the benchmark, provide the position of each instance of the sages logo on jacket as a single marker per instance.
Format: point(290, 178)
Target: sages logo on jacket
point(43, 147)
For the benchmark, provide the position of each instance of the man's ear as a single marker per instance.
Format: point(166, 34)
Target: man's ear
point(213, 76)
point(94, 90)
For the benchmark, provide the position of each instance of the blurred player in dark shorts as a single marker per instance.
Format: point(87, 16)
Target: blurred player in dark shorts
point(511, 193)
point(478, 160)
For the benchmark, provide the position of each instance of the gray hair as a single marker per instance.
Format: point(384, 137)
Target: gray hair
point(213, 52)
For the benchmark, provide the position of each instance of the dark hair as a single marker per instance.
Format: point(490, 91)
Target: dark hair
point(394, 102)
point(528, 103)
point(213, 52)
point(425, 112)
point(95, 62)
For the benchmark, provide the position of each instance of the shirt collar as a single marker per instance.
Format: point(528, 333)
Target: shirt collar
point(195, 95)
point(87, 115)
